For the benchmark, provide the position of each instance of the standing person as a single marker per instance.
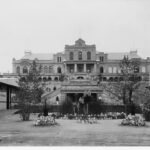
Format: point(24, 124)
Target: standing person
point(81, 101)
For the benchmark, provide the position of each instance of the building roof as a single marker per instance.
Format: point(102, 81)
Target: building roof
point(39, 56)
point(119, 56)
point(48, 56)
point(9, 81)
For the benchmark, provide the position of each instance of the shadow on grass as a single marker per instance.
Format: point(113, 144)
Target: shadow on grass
point(51, 125)
point(24, 121)
point(131, 126)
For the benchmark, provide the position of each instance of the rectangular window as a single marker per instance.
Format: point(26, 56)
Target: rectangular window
point(143, 69)
point(114, 69)
point(119, 70)
point(58, 59)
point(88, 55)
point(110, 70)
point(101, 58)
point(71, 55)
point(80, 55)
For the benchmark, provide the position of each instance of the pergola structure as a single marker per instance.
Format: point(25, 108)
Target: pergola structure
point(9, 85)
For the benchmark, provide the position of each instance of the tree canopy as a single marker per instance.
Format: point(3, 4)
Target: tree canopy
point(30, 89)
point(129, 81)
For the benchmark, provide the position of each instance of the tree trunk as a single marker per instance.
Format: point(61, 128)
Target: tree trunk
point(124, 96)
point(124, 99)
point(87, 109)
point(130, 95)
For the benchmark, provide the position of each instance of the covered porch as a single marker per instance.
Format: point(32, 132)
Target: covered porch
point(75, 93)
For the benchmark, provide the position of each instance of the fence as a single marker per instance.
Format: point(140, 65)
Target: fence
point(101, 108)
point(94, 108)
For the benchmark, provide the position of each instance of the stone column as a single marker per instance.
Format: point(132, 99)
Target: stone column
point(84, 67)
point(75, 68)
point(65, 66)
point(95, 68)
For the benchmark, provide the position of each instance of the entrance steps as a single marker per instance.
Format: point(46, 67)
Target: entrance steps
point(50, 97)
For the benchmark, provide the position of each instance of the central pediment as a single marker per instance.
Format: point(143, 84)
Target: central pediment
point(80, 42)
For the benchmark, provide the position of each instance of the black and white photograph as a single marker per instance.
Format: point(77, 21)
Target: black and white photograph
point(75, 73)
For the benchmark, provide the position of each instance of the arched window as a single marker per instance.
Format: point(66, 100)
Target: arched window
point(25, 69)
point(80, 55)
point(18, 69)
point(101, 70)
point(57, 99)
point(71, 55)
point(49, 79)
point(56, 78)
point(111, 79)
point(40, 79)
point(136, 69)
point(44, 79)
point(45, 69)
point(121, 79)
point(88, 55)
point(58, 70)
point(80, 77)
point(104, 79)
point(116, 79)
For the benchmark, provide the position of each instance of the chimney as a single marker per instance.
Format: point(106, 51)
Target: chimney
point(27, 52)
point(148, 58)
point(133, 52)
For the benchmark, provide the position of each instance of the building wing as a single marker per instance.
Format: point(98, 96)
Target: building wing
point(120, 56)
point(39, 56)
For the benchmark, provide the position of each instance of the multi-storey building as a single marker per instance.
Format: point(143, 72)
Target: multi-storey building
point(81, 65)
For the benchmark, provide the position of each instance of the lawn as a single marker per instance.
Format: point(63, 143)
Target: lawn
point(70, 133)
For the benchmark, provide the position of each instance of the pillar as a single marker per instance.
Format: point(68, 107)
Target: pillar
point(10, 91)
point(75, 68)
point(65, 66)
point(84, 67)
point(8, 97)
point(95, 68)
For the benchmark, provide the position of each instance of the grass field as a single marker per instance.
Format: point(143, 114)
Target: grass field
point(70, 133)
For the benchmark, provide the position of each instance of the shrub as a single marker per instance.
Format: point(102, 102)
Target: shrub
point(146, 114)
point(131, 120)
point(70, 116)
point(44, 121)
point(24, 112)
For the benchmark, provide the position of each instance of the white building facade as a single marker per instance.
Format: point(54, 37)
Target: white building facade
point(81, 65)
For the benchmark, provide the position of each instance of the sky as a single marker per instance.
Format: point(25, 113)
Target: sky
point(46, 26)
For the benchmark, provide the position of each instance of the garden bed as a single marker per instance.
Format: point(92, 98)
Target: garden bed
point(133, 120)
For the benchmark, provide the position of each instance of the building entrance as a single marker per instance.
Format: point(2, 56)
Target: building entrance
point(81, 101)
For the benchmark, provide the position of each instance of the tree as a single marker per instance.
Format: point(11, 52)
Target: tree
point(131, 78)
point(62, 77)
point(142, 96)
point(30, 90)
point(127, 84)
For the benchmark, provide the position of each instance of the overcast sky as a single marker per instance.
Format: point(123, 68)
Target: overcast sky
point(45, 26)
